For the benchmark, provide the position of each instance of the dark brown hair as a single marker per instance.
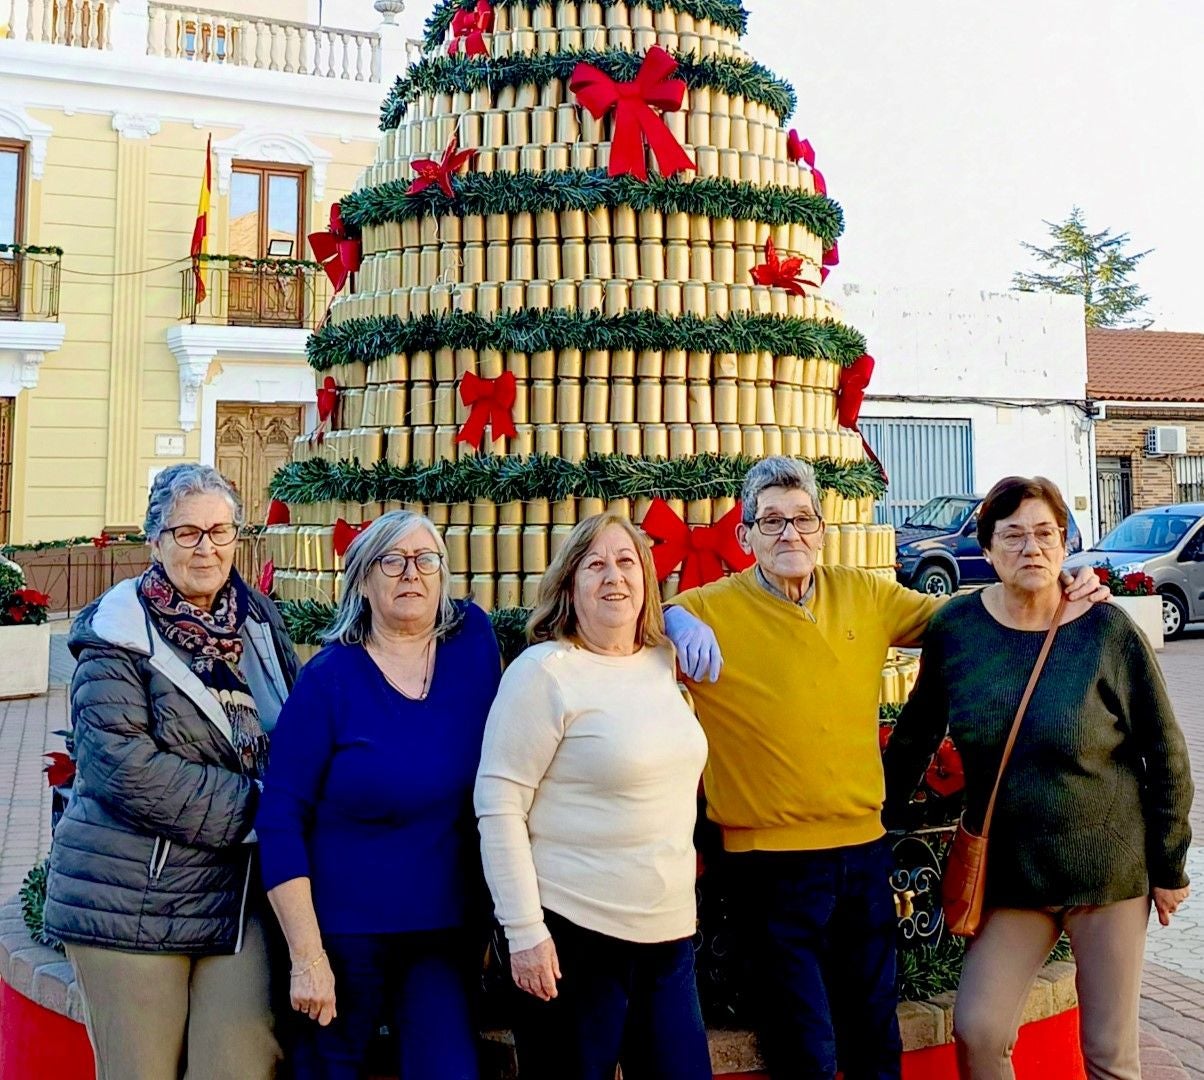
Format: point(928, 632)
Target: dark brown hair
point(1004, 499)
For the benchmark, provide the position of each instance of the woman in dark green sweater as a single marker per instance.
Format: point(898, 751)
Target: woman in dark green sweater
point(1092, 818)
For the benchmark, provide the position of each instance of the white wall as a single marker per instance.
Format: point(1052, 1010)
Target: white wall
point(1010, 363)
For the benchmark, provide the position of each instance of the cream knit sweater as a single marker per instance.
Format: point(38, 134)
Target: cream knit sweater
point(586, 795)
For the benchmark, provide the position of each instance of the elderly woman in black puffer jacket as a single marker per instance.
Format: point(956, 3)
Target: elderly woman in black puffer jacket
point(182, 673)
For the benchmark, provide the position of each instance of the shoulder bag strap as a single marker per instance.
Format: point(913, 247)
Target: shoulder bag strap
point(1028, 693)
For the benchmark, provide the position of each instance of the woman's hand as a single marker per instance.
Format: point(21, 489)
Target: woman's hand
point(1085, 585)
point(536, 970)
point(311, 989)
point(1167, 902)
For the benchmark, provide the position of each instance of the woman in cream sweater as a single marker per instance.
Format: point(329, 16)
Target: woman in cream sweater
point(586, 796)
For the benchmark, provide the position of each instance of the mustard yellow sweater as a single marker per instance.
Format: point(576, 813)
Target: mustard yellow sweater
point(793, 720)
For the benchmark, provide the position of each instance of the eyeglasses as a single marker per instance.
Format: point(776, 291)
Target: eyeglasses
point(190, 536)
point(1047, 537)
point(775, 524)
point(395, 566)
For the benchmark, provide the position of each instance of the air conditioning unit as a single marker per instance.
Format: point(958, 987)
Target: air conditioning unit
point(1166, 440)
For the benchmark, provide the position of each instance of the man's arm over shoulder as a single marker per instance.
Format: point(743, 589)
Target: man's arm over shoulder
point(905, 613)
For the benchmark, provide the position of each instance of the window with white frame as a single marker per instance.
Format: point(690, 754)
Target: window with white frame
point(1189, 478)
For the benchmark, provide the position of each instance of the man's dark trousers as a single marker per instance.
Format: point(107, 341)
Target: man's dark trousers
point(819, 940)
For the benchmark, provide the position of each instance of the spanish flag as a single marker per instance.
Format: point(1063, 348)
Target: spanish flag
point(200, 231)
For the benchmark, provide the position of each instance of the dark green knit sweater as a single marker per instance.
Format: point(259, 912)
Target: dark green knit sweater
point(1095, 799)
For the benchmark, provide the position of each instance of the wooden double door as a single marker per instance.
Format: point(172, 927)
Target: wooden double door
point(253, 441)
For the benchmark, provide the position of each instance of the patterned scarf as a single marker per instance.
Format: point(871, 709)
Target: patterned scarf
point(214, 648)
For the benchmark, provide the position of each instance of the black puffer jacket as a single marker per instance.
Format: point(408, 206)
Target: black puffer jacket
point(152, 854)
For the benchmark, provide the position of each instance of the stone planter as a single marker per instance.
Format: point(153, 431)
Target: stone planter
point(24, 660)
point(1146, 612)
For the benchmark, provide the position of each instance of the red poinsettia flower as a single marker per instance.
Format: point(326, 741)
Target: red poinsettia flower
point(779, 273)
point(32, 597)
point(16, 613)
point(1139, 584)
point(1103, 573)
point(885, 731)
point(60, 771)
point(101, 541)
point(440, 172)
point(945, 776)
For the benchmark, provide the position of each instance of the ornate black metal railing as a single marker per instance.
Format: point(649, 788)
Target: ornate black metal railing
point(29, 285)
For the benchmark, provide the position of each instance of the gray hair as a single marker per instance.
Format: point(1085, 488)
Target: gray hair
point(777, 471)
point(179, 481)
point(353, 620)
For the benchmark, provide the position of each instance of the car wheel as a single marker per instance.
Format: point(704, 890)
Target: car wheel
point(935, 581)
point(1174, 616)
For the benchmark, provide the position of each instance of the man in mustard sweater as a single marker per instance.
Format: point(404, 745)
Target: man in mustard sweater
point(794, 777)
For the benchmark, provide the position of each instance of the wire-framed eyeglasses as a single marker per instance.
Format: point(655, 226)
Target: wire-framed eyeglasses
point(395, 565)
point(775, 524)
point(190, 536)
point(1047, 537)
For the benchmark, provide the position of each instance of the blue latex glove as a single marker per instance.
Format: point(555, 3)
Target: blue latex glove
point(697, 648)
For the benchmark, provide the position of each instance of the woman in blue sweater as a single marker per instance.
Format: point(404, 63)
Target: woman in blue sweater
point(366, 824)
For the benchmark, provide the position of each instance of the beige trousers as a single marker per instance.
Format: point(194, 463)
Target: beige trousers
point(145, 1011)
point(1003, 960)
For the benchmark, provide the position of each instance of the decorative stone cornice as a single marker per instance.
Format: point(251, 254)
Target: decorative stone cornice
point(135, 125)
point(263, 144)
point(16, 123)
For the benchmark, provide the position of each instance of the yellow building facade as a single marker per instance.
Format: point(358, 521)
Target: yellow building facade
point(110, 366)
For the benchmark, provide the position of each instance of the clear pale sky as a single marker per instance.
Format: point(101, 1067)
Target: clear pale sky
point(949, 129)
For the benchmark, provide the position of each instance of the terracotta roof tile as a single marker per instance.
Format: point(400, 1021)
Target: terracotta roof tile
point(1145, 365)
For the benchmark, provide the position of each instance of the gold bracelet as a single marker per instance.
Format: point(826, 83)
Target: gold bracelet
point(308, 967)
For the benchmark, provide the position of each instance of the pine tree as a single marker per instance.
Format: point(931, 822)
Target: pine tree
point(1095, 266)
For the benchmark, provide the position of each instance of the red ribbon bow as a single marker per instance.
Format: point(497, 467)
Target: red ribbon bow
point(702, 552)
point(267, 577)
point(344, 534)
point(469, 27)
point(945, 775)
point(489, 401)
point(339, 253)
point(278, 513)
point(59, 770)
point(779, 273)
point(850, 393)
point(440, 172)
point(800, 149)
point(635, 121)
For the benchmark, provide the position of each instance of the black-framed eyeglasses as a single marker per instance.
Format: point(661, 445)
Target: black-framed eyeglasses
point(190, 536)
point(775, 524)
point(394, 565)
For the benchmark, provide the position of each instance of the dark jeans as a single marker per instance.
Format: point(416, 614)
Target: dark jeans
point(420, 984)
point(820, 929)
point(619, 1002)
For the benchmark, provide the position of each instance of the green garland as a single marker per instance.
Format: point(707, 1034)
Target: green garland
point(243, 262)
point(728, 14)
point(33, 905)
point(375, 337)
point(75, 541)
point(498, 478)
point(30, 249)
point(590, 189)
point(449, 74)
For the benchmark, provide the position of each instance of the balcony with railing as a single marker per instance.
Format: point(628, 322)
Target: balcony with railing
point(289, 294)
point(29, 283)
point(199, 35)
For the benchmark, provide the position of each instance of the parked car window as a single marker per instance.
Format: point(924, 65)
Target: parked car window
point(1147, 533)
point(946, 513)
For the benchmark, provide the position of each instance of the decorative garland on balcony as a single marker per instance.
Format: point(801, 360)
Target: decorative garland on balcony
point(30, 249)
point(531, 330)
point(500, 479)
point(247, 262)
point(448, 74)
point(103, 540)
point(728, 14)
point(590, 189)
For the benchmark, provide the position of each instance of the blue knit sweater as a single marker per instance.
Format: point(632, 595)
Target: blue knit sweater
point(369, 794)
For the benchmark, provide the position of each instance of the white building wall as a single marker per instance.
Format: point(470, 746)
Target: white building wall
point(1013, 364)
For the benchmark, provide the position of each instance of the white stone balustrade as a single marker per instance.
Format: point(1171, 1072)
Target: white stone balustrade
point(186, 32)
point(82, 24)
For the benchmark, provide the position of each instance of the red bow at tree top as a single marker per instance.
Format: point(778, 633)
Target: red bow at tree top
point(440, 172)
point(490, 401)
point(344, 534)
point(636, 122)
point(469, 27)
point(779, 273)
point(850, 393)
point(702, 552)
point(337, 250)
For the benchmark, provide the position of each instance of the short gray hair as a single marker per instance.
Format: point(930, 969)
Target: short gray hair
point(777, 471)
point(179, 481)
point(353, 620)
